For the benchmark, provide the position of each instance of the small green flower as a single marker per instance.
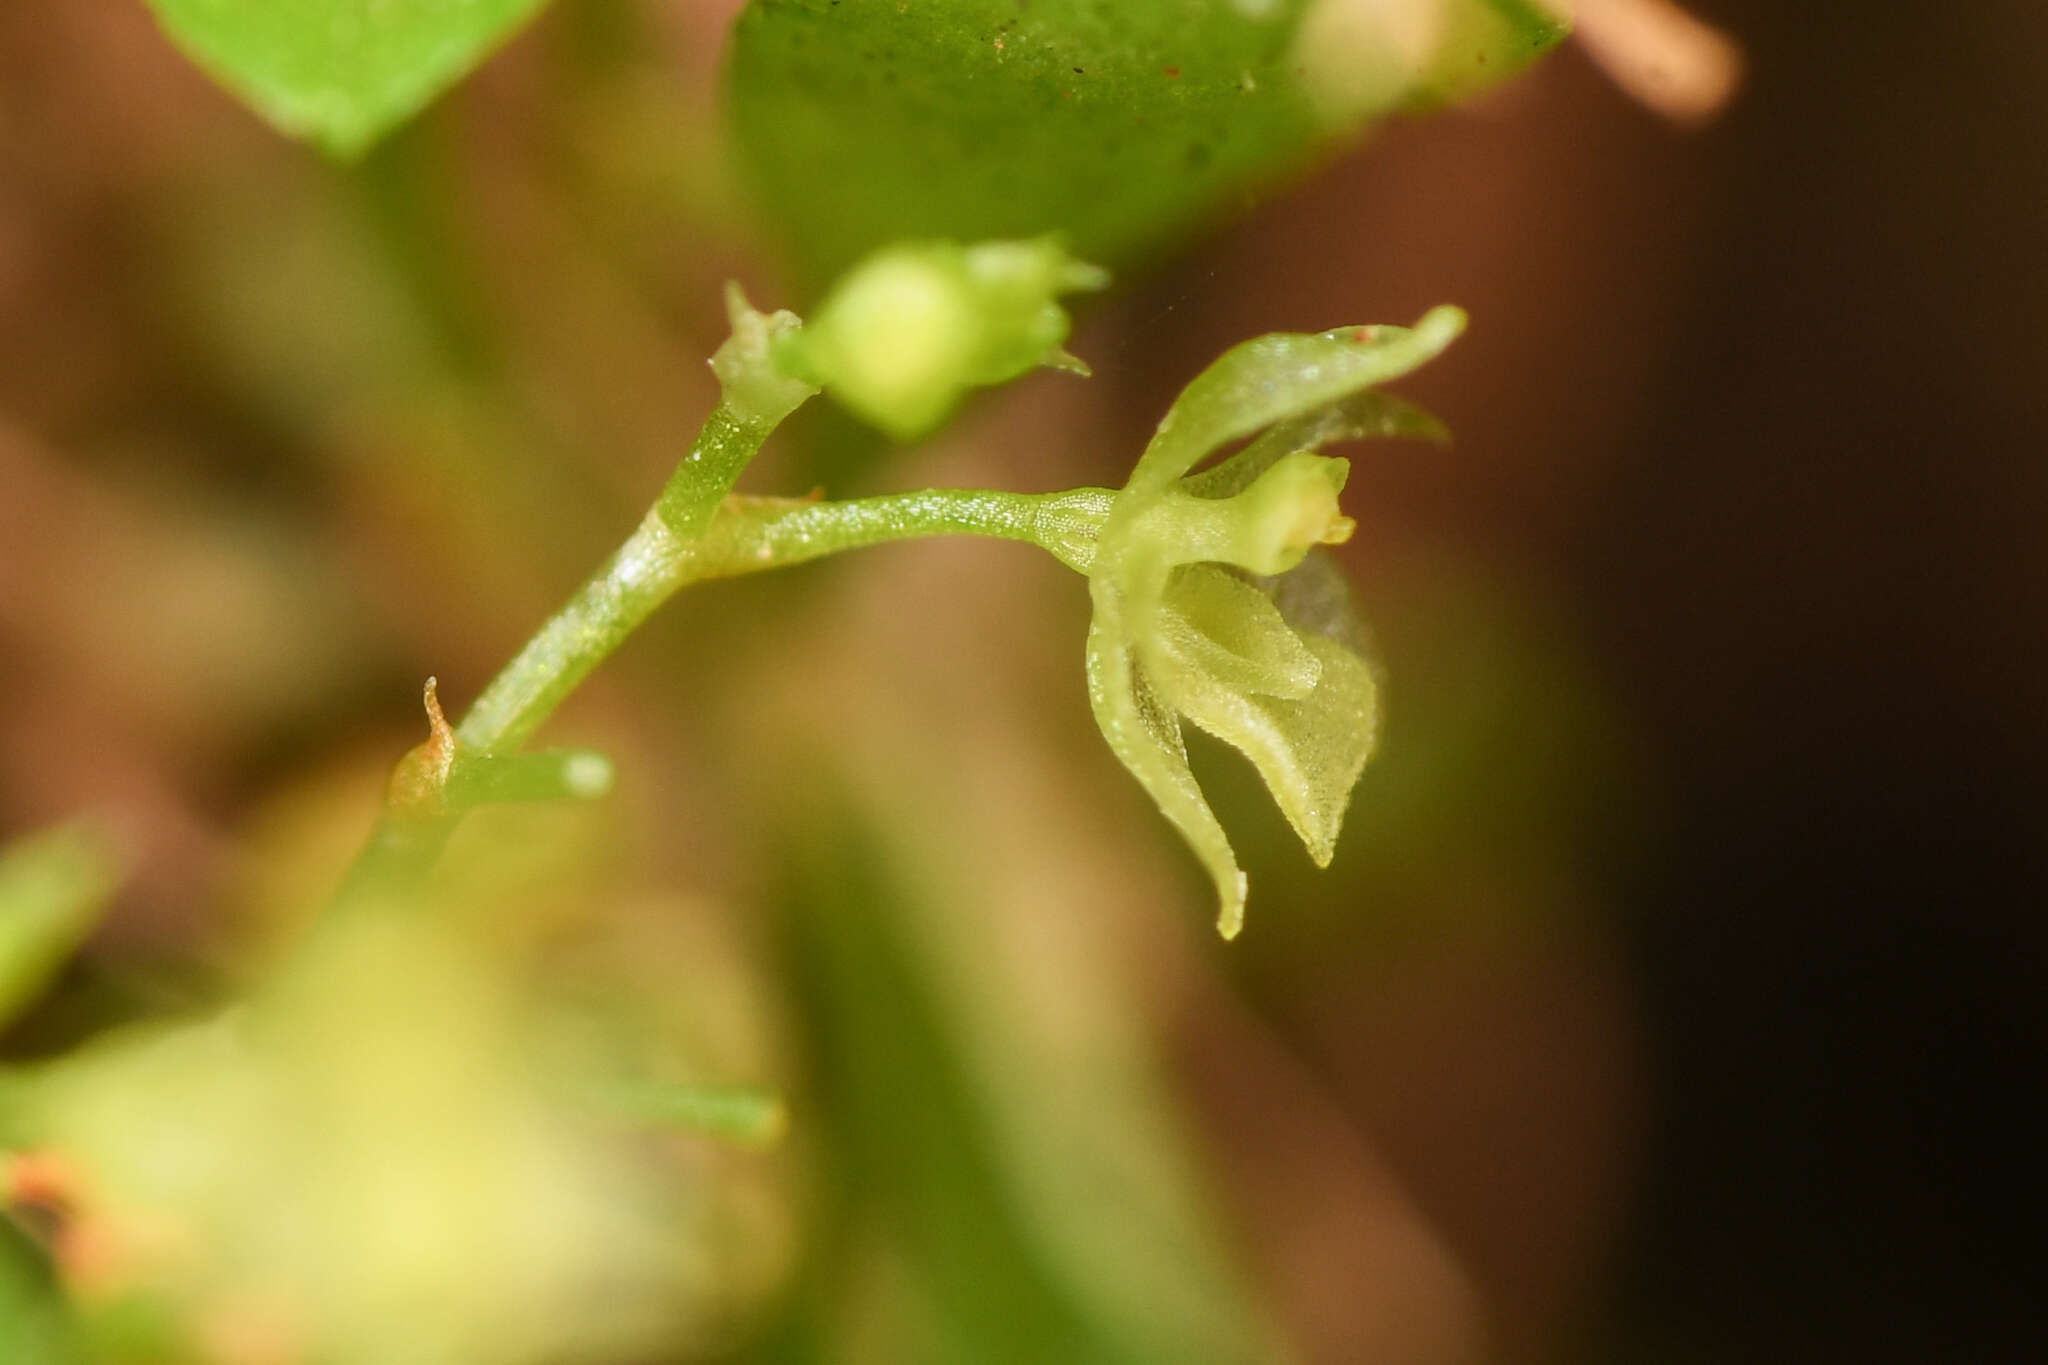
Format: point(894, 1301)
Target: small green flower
point(1207, 603)
point(904, 335)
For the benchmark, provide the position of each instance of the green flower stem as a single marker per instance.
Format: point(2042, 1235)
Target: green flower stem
point(771, 533)
point(691, 497)
point(739, 536)
point(747, 535)
point(613, 602)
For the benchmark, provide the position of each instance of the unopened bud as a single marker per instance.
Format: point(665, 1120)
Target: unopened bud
point(908, 331)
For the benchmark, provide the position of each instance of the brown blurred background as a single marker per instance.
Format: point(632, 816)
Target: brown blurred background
point(1681, 991)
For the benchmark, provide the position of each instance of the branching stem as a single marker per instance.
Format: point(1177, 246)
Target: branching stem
point(697, 531)
point(748, 535)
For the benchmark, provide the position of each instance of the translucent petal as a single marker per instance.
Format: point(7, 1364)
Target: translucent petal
point(1314, 598)
point(1275, 378)
point(1145, 736)
point(1215, 623)
point(1309, 752)
point(1362, 416)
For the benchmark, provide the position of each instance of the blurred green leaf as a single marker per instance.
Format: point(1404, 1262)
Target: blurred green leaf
point(1009, 1187)
point(1118, 124)
point(339, 72)
point(735, 1113)
point(53, 885)
point(33, 1328)
point(915, 1160)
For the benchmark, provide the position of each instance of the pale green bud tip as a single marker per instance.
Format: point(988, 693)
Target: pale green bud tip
point(1034, 270)
point(1440, 326)
point(755, 382)
point(908, 331)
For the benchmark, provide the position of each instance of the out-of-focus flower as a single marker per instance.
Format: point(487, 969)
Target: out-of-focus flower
point(377, 1160)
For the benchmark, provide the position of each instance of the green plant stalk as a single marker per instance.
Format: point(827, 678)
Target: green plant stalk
point(732, 536)
point(697, 529)
point(747, 535)
point(619, 596)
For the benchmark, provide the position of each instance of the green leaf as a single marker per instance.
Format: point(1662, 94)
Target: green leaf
point(341, 73)
point(983, 1078)
point(34, 1329)
point(53, 886)
point(1118, 124)
point(1483, 43)
point(908, 1152)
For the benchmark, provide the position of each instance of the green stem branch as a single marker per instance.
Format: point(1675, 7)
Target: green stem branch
point(738, 536)
point(747, 535)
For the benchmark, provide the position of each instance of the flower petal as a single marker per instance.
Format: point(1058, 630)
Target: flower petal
point(1364, 415)
point(1214, 623)
point(1273, 378)
point(1309, 752)
point(1145, 736)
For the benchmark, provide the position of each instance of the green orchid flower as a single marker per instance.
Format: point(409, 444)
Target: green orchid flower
point(1208, 604)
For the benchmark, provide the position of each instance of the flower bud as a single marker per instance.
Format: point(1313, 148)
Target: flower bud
point(908, 331)
point(751, 377)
